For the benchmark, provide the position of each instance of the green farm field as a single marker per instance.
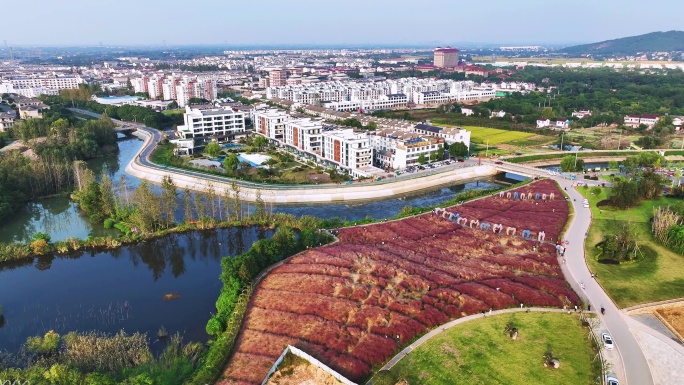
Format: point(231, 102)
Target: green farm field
point(495, 135)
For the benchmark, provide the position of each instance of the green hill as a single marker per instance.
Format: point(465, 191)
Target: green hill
point(650, 42)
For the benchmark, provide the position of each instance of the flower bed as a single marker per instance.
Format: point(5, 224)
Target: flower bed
point(355, 303)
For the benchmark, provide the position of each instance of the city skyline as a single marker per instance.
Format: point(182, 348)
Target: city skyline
point(305, 22)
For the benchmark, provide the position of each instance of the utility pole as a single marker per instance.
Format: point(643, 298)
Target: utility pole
point(576, 152)
point(487, 150)
point(562, 137)
point(620, 139)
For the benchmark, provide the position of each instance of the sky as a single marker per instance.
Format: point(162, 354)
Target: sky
point(339, 22)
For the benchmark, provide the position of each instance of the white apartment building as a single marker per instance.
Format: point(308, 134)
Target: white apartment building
point(58, 82)
point(270, 123)
point(383, 102)
point(305, 135)
point(348, 150)
point(220, 124)
point(400, 149)
point(450, 135)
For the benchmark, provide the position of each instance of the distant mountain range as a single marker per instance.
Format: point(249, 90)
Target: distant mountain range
point(651, 42)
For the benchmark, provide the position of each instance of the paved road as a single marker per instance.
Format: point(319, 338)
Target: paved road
point(577, 273)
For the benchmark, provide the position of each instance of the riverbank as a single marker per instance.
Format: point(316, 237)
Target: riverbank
point(299, 194)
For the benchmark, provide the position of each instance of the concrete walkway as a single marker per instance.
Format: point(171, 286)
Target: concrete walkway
point(448, 325)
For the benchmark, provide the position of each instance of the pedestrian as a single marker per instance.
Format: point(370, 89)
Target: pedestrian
point(575, 307)
point(521, 305)
point(588, 307)
point(483, 313)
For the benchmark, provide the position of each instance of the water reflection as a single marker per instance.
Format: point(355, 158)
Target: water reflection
point(122, 288)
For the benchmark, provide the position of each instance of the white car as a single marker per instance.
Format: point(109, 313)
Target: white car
point(607, 341)
point(586, 206)
point(610, 380)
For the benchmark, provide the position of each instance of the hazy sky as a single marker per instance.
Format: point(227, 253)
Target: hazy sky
point(239, 22)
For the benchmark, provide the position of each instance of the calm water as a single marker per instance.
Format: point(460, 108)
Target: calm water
point(121, 289)
point(59, 217)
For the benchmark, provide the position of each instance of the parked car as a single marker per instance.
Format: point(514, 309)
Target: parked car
point(498, 162)
point(460, 160)
point(610, 380)
point(607, 341)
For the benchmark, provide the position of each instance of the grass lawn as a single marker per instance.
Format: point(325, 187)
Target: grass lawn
point(659, 276)
point(495, 135)
point(478, 352)
point(179, 111)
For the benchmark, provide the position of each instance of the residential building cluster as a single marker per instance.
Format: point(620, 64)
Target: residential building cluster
point(178, 88)
point(376, 95)
point(394, 145)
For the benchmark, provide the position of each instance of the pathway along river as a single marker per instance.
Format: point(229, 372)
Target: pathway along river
point(124, 288)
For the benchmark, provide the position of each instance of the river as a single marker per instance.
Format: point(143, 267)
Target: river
point(123, 289)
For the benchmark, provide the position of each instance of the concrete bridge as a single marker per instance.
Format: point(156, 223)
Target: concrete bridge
point(515, 168)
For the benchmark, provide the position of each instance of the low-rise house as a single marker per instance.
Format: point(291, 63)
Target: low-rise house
point(649, 120)
point(467, 111)
point(6, 120)
point(562, 124)
point(542, 123)
point(635, 121)
point(677, 122)
point(497, 114)
point(30, 111)
point(581, 114)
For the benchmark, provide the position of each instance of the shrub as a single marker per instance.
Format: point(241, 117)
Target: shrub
point(123, 228)
point(40, 247)
point(43, 345)
point(108, 223)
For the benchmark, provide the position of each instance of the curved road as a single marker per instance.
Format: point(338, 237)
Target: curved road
point(577, 273)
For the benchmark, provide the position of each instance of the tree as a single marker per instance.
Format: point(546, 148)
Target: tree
point(624, 194)
point(231, 163)
point(433, 156)
point(212, 149)
point(458, 150)
point(650, 186)
point(173, 105)
point(107, 196)
point(169, 201)
point(372, 126)
point(440, 152)
point(421, 158)
point(613, 165)
point(568, 164)
point(259, 142)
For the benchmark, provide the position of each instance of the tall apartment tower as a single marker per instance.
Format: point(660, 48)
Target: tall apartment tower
point(446, 57)
point(277, 78)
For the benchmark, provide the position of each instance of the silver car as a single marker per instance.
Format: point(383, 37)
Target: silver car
point(607, 341)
